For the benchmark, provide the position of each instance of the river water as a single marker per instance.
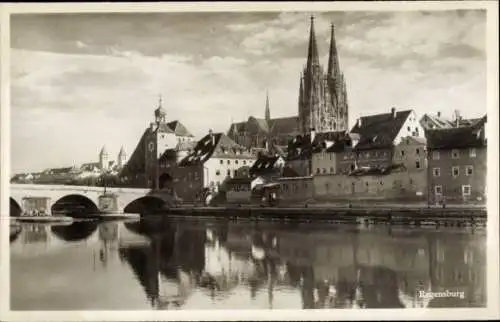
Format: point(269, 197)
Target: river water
point(166, 264)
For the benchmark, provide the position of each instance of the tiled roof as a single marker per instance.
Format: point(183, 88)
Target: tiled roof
point(276, 126)
point(179, 129)
point(455, 138)
point(301, 146)
point(261, 124)
point(442, 122)
point(164, 128)
point(264, 163)
point(214, 145)
point(379, 131)
point(284, 125)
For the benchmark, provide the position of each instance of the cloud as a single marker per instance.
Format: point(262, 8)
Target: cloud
point(81, 81)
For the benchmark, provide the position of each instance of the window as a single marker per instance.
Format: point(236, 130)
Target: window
point(324, 170)
point(435, 155)
point(330, 154)
point(418, 151)
point(331, 170)
point(236, 162)
point(318, 170)
point(228, 172)
point(409, 129)
point(455, 154)
point(436, 172)
point(472, 153)
point(402, 153)
point(455, 171)
point(353, 167)
point(228, 161)
point(468, 170)
point(417, 164)
point(244, 162)
point(466, 190)
point(221, 161)
point(235, 173)
point(438, 190)
point(217, 172)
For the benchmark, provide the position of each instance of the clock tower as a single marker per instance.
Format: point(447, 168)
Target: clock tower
point(159, 138)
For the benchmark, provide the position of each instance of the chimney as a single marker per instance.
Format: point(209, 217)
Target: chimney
point(439, 114)
point(313, 134)
point(393, 112)
point(360, 122)
point(211, 136)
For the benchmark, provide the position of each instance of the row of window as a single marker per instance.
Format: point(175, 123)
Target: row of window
point(228, 172)
point(455, 154)
point(292, 187)
point(455, 171)
point(236, 162)
point(466, 190)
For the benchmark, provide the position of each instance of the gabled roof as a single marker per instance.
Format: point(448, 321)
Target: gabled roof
point(440, 122)
point(458, 137)
point(164, 128)
point(261, 124)
point(379, 131)
point(214, 145)
point(301, 146)
point(179, 129)
point(265, 163)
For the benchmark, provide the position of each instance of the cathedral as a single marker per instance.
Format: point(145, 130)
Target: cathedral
point(322, 104)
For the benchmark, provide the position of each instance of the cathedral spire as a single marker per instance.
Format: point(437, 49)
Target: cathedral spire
point(333, 59)
point(312, 55)
point(268, 111)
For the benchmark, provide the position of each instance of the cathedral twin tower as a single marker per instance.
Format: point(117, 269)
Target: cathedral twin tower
point(323, 105)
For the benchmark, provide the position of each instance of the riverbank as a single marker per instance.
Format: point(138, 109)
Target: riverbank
point(381, 213)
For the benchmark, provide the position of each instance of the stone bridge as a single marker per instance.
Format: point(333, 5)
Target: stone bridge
point(51, 199)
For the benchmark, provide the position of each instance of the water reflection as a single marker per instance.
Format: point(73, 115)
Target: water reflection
point(190, 265)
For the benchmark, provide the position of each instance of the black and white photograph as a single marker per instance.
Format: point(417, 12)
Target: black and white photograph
point(262, 160)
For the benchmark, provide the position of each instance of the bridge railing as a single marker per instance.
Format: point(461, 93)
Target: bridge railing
point(20, 186)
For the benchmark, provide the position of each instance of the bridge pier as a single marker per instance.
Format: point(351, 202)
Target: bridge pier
point(36, 206)
point(109, 203)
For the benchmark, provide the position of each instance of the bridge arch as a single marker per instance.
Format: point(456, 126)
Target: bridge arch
point(77, 231)
point(15, 208)
point(146, 204)
point(74, 205)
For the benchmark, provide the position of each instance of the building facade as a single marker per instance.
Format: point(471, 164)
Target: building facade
point(143, 168)
point(214, 160)
point(457, 160)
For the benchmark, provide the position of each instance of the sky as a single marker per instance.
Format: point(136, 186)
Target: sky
point(81, 81)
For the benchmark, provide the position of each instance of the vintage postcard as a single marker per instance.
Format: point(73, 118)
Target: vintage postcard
point(270, 161)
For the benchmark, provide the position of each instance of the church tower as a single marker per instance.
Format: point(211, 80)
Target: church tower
point(103, 158)
point(268, 111)
point(122, 158)
point(322, 96)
